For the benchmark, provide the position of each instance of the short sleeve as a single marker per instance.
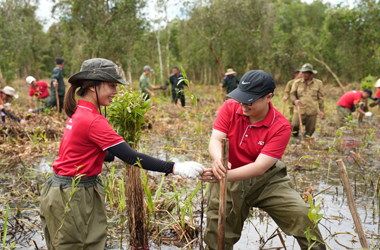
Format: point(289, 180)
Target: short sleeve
point(44, 84)
point(223, 119)
point(378, 94)
point(276, 145)
point(102, 134)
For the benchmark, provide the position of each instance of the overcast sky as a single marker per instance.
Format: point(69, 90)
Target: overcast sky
point(45, 6)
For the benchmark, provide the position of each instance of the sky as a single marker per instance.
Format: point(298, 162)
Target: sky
point(45, 6)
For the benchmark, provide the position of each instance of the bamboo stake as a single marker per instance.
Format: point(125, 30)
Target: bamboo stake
point(351, 204)
point(328, 68)
point(222, 197)
point(283, 108)
point(300, 121)
point(57, 99)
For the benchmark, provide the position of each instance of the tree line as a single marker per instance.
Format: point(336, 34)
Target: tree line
point(206, 37)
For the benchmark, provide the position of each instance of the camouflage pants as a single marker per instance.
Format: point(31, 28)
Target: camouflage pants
point(272, 192)
point(343, 115)
point(309, 121)
point(84, 225)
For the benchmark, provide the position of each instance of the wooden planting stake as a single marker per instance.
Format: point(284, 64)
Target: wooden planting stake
point(57, 99)
point(300, 121)
point(222, 197)
point(351, 204)
point(283, 108)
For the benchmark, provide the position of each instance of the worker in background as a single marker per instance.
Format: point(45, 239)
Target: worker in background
point(39, 90)
point(6, 96)
point(288, 87)
point(144, 84)
point(348, 103)
point(178, 82)
point(307, 93)
point(230, 81)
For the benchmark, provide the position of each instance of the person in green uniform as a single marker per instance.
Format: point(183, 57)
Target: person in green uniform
point(230, 81)
point(57, 84)
point(144, 84)
point(289, 85)
point(307, 93)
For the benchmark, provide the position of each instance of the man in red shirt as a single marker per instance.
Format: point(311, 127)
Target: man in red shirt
point(258, 135)
point(39, 90)
point(347, 104)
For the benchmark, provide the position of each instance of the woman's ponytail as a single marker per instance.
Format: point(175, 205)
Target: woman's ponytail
point(70, 104)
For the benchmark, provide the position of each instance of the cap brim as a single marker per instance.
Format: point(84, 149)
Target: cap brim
point(98, 76)
point(230, 73)
point(243, 97)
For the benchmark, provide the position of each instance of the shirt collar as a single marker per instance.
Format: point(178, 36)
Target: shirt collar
point(87, 106)
point(267, 121)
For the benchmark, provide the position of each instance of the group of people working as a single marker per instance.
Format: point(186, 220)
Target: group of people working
point(305, 95)
point(258, 136)
point(38, 92)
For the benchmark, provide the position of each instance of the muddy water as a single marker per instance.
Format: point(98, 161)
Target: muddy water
point(317, 171)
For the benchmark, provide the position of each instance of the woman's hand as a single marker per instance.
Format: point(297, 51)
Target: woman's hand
point(218, 168)
point(208, 176)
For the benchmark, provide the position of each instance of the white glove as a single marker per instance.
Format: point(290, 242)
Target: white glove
point(369, 114)
point(188, 169)
point(30, 110)
point(7, 105)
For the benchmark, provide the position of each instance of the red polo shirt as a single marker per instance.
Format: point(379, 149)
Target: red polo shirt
point(87, 136)
point(246, 140)
point(40, 91)
point(349, 99)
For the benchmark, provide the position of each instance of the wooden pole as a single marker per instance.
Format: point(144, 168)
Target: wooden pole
point(351, 204)
point(57, 99)
point(283, 108)
point(222, 197)
point(300, 121)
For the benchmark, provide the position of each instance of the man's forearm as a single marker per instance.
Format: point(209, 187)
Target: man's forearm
point(215, 149)
point(360, 111)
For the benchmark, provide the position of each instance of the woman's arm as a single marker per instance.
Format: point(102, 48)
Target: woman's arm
point(124, 152)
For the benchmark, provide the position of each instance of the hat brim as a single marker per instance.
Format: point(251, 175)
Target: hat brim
point(308, 70)
point(230, 73)
point(15, 95)
point(377, 84)
point(97, 76)
point(243, 97)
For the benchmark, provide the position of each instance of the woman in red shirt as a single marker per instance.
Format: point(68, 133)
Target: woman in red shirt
point(87, 142)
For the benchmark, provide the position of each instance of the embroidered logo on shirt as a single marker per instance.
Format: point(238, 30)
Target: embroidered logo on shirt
point(261, 143)
point(71, 120)
point(69, 126)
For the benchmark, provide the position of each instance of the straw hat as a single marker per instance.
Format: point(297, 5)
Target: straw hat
point(230, 72)
point(9, 91)
point(377, 84)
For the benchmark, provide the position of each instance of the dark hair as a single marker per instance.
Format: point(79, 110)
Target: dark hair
point(70, 104)
point(175, 67)
point(368, 91)
point(59, 60)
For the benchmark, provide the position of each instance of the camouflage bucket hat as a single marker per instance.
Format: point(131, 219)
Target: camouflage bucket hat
point(308, 68)
point(98, 69)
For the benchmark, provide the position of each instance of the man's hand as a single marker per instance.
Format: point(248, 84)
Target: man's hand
point(297, 102)
point(321, 115)
point(23, 122)
point(285, 98)
point(208, 176)
point(218, 168)
point(221, 85)
point(55, 84)
point(152, 95)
